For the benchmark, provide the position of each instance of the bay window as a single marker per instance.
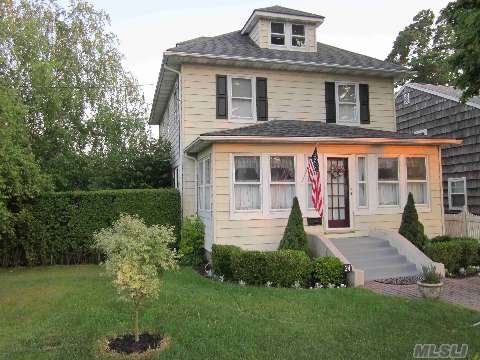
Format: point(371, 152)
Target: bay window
point(417, 179)
point(347, 99)
point(247, 183)
point(204, 184)
point(282, 182)
point(362, 182)
point(242, 93)
point(457, 193)
point(277, 33)
point(388, 182)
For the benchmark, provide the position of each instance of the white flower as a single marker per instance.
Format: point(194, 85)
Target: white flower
point(268, 284)
point(343, 285)
point(221, 278)
point(209, 273)
point(331, 286)
point(241, 283)
point(296, 285)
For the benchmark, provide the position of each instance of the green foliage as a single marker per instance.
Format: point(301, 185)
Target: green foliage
point(136, 258)
point(285, 267)
point(328, 270)
point(430, 275)
point(58, 227)
point(464, 18)
point(294, 237)
point(411, 227)
point(250, 266)
point(192, 238)
point(454, 254)
point(222, 260)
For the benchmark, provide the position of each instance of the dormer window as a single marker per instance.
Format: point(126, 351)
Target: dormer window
point(277, 36)
point(298, 35)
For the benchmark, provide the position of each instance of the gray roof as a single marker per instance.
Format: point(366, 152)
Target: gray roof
point(448, 92)
point(286, 11)
point(241, 46)
point(305, 129)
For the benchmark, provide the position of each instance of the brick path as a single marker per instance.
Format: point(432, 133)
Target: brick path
point(464, 292)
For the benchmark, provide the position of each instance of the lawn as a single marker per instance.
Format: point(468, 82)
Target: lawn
point(62, 312)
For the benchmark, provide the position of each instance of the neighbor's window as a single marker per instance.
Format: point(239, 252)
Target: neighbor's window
point(388, 182)
point(417, 179)
point(204, 184)
point(421, 132)
point(347, 96)
point(241, 98)
point(362, 181)
point(247, 183)
point(298, 35)
point(277, 33)
point(457, 193)
point(406, 98)
point(282, 182)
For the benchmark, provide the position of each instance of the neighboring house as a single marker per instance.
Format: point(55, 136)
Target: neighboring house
point(436, 110)
point(245, 110)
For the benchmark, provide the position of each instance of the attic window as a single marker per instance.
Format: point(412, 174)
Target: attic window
point(298, 35)
point(277, 36)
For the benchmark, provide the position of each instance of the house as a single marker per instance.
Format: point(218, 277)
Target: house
point(245, 110)
point(436, 110)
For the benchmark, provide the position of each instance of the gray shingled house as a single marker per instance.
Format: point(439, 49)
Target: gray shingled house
point(434, 110)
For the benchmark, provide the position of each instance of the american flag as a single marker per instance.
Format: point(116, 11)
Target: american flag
point(314, 178)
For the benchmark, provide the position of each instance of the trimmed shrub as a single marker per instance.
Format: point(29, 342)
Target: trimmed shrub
point(250, 266)
point(60, 226)
point(192, 237)
point(285, 267)
point(328, 270)
point(454, 254)
point(411, 227)
point(441, 238)
point(294, 237)
point(222, 259)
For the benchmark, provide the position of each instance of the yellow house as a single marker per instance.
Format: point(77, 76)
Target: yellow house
point(244, 112)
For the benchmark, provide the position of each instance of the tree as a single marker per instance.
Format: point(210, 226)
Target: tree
point(424, 47)
point(464, 18)
point(136, 258)
point(411, 227)
point(294, 237)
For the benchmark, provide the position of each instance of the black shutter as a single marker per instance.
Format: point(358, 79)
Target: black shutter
point(330, 106)
point(364, 104)
point(222, 97)
point(262, 100)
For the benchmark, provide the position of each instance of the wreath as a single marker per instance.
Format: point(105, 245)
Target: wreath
point(337, 170)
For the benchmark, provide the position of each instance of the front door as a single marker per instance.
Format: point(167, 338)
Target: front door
point(338, 193)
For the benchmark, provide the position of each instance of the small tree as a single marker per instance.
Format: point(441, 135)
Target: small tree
point(411, 227)
point(294, 237)
point(192, 240)
point(136, 257)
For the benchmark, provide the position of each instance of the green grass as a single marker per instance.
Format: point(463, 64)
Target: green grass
point(62, 312)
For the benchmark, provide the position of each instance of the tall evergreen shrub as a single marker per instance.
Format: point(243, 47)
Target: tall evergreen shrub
point(411, 227)
point(294, 237)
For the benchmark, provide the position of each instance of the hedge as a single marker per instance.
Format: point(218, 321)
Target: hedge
point(454, 253)
point(222, 259)
point(328, 270)
point(58, 227)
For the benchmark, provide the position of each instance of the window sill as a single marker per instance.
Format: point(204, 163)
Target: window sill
point(255, 215)
point(242, 120)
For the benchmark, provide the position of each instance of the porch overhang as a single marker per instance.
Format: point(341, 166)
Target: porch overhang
point(204, 141)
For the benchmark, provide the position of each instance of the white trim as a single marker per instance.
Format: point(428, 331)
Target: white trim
point(270, 34)
point(356, 121)
point(426, 181)
point(253, 105)
point(358, 182)
point(202, 185)
point(423, 132)
point(450, 181)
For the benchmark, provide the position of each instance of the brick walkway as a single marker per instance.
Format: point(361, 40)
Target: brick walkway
point(464, 292)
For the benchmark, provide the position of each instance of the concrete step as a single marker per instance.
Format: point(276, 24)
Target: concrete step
point(365, 263)
point(360, 243)
point(385, 272)
point(369, 253)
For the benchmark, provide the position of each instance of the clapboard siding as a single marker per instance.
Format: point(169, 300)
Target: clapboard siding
point(441, 116)
point(169, 128)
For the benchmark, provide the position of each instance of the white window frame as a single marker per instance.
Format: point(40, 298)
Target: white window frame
point(356, 103)
point(450, 193)
point(202, 184)
point(272, 33)
point(298, 36)
point(233, 182)
point(252, 99)
point(398, 182)
point(406, 98)
point(270, 182)
point(358, 181)
point(421, 132)
point(426, 181)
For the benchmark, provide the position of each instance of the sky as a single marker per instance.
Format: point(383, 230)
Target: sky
point(146, 28)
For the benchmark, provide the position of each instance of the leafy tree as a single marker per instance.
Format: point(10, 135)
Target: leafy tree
point(192, 238)
point(136, 258)
point(411, 227)
point(464, 18)
point(294, 237)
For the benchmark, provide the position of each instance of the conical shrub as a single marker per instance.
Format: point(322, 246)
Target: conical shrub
point(294, 237)
point(411, 227)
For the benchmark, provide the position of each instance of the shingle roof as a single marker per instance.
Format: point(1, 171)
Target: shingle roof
point(241, 46)
point(446, 91)
point(305, 129)
point(286, 11)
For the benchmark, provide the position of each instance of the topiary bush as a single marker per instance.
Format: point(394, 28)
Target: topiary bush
point(411, 228)
point(327, 270)
point(294, 237)
point(192, 238)
point(285, 267)
point(222, 260)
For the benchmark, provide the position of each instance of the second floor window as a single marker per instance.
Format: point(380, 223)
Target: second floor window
point(298, 35)
point(277, 33)
point(242, 93)
point(347, 99)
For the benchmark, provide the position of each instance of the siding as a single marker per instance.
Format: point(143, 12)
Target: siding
point(169, 128)
point(442, 116)
point(265, 234)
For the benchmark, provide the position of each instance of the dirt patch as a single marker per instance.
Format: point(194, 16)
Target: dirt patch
point(126, 346)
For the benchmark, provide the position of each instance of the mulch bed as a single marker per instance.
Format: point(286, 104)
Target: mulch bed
point(127, 346)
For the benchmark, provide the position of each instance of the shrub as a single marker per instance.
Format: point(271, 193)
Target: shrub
point(192, 237)
point(430, 275)
point(222, 259)
point(60, 226)
point(454, 254)
point(136, 257)
point(328, 270)
point(411, 227)
point(294, 237)
point(285, 267)
point(250, 266)
point(441, 238)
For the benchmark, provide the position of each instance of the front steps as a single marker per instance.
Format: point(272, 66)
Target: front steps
point(375, 256)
